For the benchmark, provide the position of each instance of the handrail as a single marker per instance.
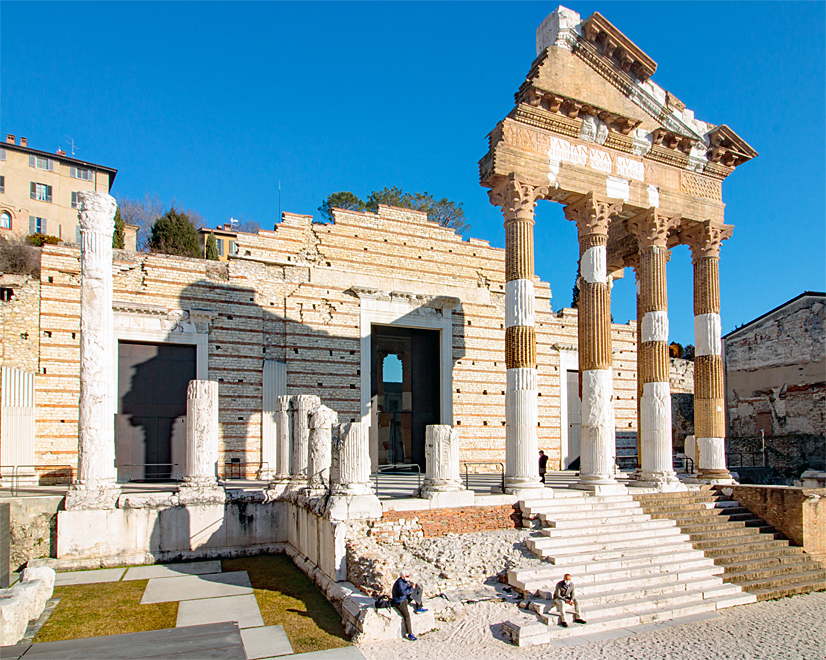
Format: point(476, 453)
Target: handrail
point(232, 464)
point(395, 466)
point(689, 470)
point(467, 474)
point(131, 465)
point(14, 489)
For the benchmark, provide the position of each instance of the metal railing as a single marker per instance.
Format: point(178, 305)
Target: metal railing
point(159, 477)
point(486, 463)
point(740, 462)
point(232, 467)
point(397, 466)
point(14, 488)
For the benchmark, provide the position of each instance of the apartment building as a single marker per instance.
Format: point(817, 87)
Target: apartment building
point(225, 239)
point(39, 190)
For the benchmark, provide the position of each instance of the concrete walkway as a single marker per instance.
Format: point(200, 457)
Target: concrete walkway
point(205, 595)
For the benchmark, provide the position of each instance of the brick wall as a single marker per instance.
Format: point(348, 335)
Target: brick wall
point(427, 523)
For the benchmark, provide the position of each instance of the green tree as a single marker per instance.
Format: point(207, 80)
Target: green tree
point(211, 247)
point(443, 212)
point(575, 293)
point(174, 233)
point(340, 200)
point(118, 236)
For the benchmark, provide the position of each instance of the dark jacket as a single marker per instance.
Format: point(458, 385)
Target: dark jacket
point(401, 591)
point(564, 591)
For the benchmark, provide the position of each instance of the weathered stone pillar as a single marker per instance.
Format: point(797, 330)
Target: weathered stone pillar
point(656, 463)
point(301, 405)
point(518, 199)
point(442, 482)
point(598, 435)
point(96, 486)
point(352, 495)
point(704, 239)
point(321, 420)
point(200, 482)
point(283, 439)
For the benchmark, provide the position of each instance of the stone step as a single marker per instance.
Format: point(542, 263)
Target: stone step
point(582, 521)
point(606, 542)
point(652, 615)
point(651, 553)
point(760, 582)
point(708, 524)
point(707, 515)
point(728, 535)
point(788, 590)
point(534, 507)
point(633, 603)
point(633, 530)
point(565, 514)
point(716, 547)
point(779, 562)
point(531, 579)
point(735, 554)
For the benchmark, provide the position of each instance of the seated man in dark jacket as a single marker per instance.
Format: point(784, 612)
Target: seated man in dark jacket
point(564, 593)
point(403, 591)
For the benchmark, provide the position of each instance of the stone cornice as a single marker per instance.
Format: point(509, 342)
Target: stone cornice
point(630, 58)
point(728, 148)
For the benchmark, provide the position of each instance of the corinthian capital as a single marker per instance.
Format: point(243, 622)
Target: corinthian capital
point(704, 238)
point(97, 212)
point(591, 214)
point(517, 197)
point(651, 228)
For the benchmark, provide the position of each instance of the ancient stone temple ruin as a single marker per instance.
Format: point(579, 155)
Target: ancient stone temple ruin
point(320, 353)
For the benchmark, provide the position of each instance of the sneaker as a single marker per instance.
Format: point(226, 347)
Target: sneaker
point(411, 637)
point(420, 610)
point(580, 621)
point(564, 624)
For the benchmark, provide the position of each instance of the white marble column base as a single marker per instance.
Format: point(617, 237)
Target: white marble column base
point(201, 491)
point(353, 507)
point(446, 499)
point(80, 496)
point(661, 481)
point(601, 487)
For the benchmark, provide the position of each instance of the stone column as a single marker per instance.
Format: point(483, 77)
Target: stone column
point(96, 485)
point(301, 405)
point(655, 458)
point(518, 199)
point(201, 475)
point(704, 239)
point(321, 420)
point(352, 495)
point(283, 439)
point(442, 482)
point(598, 434)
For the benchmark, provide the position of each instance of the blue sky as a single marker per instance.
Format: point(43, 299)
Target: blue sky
point(211, 104)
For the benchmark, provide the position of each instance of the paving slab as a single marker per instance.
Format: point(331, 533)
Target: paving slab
point(196, 587)
point(242, 609)
point(343, 653)
point(266, 642)
point(172, 570)
point(88, 577)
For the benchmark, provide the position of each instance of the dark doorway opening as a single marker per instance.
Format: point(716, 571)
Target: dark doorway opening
point(150, 429)
point(405, 389)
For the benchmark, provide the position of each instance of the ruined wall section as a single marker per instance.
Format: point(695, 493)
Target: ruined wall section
point(19, 320)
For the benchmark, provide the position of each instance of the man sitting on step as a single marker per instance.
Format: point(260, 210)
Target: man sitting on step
point(564, 593)
point(403, 591)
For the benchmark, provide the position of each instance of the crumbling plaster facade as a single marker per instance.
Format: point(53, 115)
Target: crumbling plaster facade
point(296, 295)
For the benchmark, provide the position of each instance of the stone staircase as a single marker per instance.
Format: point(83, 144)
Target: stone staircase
point(753, 554)
point(628, 568)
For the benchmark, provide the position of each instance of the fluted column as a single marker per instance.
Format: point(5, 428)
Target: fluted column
point(598, 435)
point(301, 405)
point(351, 494)
point(704, 239)
point(656, 463)
point(321, 420)
point(283, 437)
point(96, 485)
point(200, 484)
point(518, 199)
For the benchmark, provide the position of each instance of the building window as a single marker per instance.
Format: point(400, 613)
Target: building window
point(41, 163)
point(41, 192)
point(2, 184)
point(37, 225)
point(75, 201)
point(2, 153)
point(81, 173)
point(5, 220)
point(232, 249)
point(220, 243)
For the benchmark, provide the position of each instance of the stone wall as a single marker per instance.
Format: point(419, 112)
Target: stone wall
point(800, 513)
point(33, 528)
point(19, 322)
point(395, 525)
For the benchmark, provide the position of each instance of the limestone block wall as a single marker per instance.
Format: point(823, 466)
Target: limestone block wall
point(19, 321)
point(291, 295)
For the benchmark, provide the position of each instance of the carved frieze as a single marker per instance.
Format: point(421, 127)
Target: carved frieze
point(701, 186)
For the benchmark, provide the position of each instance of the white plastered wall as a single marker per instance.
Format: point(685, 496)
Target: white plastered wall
point(568, 361)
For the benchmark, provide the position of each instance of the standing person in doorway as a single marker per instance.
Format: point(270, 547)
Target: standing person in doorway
point(543, 465)
point(403, 591)
point(564, 593)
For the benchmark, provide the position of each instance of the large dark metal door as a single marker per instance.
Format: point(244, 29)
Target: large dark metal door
point(426, 395)
point(150, 433)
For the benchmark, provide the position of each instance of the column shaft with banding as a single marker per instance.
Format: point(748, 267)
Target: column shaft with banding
point(709, 390)
point(350, 469)
point(518, 199)
point(96, 437)
point(656, 465)
point(301, 405)
point(201, 433)
point(598, 435)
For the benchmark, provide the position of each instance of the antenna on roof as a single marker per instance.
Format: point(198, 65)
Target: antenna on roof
point(72, 142)
point(279, 201)
point(232, 221)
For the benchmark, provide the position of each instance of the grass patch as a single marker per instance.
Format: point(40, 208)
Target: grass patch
point(108, 608)
point(287, 597)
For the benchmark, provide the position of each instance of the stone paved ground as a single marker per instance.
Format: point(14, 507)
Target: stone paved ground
point(787, 629)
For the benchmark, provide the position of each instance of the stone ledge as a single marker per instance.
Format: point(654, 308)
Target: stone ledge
point(24, 602)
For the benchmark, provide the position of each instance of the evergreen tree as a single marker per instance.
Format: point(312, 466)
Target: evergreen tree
point(118, 236)
point(174, 233)
point(211, 247)
point(340, 200)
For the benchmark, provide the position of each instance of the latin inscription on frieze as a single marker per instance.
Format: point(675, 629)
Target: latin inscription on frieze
point(563, 151)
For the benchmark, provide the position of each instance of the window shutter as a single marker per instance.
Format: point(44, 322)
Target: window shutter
point(60, 232)
point(32, 160)
point(77, 234)
point(2, 154)
point(73, 171)
point(51, 165)
point(48, 193)
point(32, 229)
point(33, 190)
point(43, 229)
